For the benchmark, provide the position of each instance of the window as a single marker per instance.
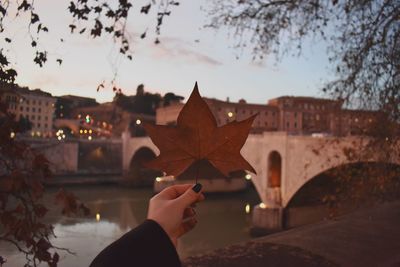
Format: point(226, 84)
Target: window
point(295, 125)
point(32, 117)
point(39, 110)
point(274, 169)
point(33, 109)
point(287, 125)
point(38, 125)
point(33, 102)
point(266, 123)
point(27, 101)
point(21, 108)
point(27, 108)
point(38, 117)
point(40, 102)
point(317, 117)
point(295, 114)
point(47, 103)
point(45, 118)
point(45, 125)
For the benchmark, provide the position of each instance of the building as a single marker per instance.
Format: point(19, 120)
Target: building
point(36, 106)
point(226, 111)
point(80, 101)
point(67, 103)
point(306, 115)
point(295, 115)
point(108, 120)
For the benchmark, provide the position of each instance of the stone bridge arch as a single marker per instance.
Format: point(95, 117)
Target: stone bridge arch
point(130, 146)
point(374, 164)
point(308, 157)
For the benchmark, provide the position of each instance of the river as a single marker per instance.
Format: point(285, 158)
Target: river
point(223, 220)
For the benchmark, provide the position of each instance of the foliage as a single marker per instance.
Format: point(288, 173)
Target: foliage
point(170, 98)
point(143, 104)
point(196, 137)
point(22, 173)
point(24, 124)
point(92, 18)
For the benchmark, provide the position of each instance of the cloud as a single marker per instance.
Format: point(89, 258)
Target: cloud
point(177, 49)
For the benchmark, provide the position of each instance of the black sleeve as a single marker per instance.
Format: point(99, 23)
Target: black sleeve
point(147, 245)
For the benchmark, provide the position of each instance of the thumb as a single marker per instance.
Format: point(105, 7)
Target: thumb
point(190, 196)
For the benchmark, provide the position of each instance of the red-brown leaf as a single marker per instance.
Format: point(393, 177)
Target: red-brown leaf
point(197, 137)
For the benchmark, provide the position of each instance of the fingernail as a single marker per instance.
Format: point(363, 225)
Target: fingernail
point(197, 187)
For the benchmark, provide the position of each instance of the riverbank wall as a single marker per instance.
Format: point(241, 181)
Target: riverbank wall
point(367, 237)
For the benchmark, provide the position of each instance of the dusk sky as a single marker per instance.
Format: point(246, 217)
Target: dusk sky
point(174, 65)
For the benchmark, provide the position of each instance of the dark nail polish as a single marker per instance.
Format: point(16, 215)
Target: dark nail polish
point(197, 187)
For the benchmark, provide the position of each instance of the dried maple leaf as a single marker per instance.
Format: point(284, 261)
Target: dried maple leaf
point(196, 137)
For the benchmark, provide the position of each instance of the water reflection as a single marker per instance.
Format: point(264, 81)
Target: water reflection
point(223, 220)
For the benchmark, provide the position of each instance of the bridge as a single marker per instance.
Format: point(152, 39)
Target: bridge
point(284, 164)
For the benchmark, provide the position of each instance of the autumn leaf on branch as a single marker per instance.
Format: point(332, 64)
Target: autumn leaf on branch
point(196, 138)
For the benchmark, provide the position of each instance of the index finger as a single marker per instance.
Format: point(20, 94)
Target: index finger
point(173, 191)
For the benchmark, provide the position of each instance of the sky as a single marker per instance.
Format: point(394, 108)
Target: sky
point(188, 53)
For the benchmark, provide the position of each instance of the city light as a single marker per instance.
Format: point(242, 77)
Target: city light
point(247, 208)
point(90, 131)
point(87, 118)
point(12, 134)
point(230, 114)
point(60, 134)
point(97, 216)
point(85, 131)
point(248, 176)
point(32, 134)
point(262, 205)
point(138, 121)
point(89, 138)
point(158, 179)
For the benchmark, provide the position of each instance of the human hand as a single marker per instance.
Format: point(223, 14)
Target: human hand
point(171, 209)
